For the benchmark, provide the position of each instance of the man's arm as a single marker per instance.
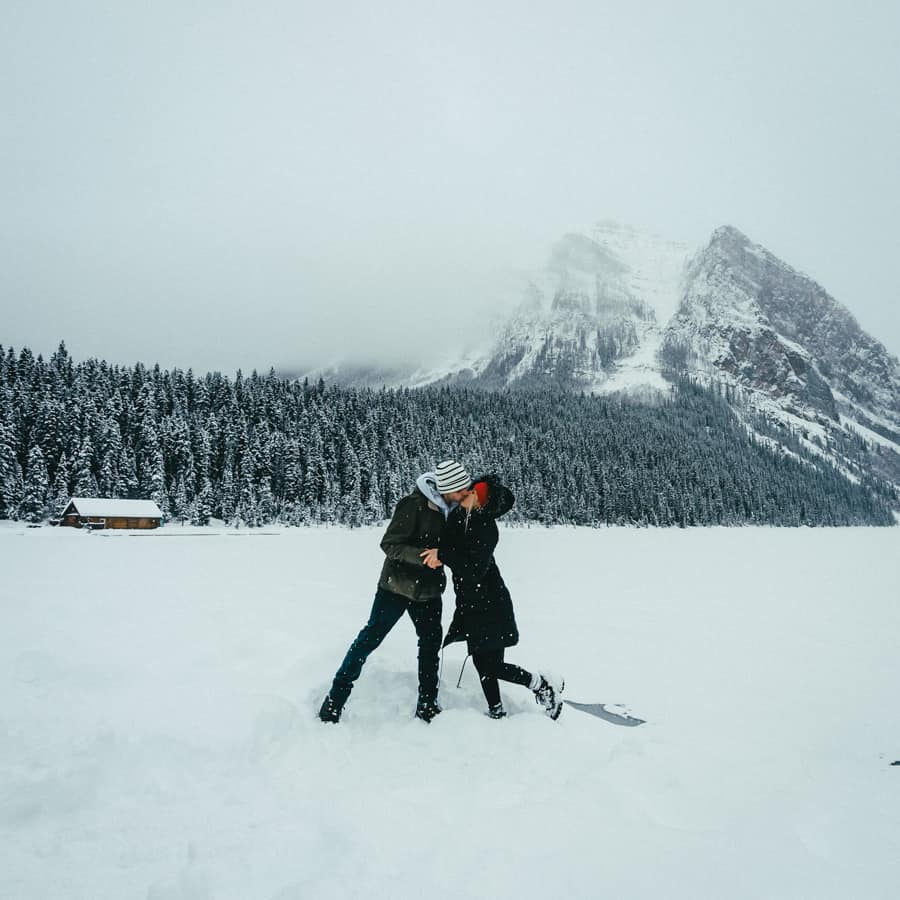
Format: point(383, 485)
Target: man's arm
point(400, 531)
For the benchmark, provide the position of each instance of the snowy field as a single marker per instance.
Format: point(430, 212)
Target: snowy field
point(158, 738)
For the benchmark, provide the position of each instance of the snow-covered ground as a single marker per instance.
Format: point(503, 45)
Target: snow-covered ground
point(158, 741)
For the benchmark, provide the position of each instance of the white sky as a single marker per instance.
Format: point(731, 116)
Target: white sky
point(271, 183)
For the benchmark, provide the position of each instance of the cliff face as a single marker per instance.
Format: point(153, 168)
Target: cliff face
point(753, 319)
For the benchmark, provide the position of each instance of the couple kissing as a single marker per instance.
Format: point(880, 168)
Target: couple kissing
point(450, 519)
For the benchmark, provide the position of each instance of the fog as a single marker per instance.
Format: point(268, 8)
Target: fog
point(285, 184)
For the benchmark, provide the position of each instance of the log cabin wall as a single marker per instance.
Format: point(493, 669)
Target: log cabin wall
point(72, 521)
point(131, 523)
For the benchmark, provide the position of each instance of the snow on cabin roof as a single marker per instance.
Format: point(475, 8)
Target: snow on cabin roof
point(126, 509)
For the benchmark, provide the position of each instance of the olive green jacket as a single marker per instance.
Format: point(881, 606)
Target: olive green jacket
point(416, 526)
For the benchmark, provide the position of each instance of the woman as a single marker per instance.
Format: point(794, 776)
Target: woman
point(484, 615)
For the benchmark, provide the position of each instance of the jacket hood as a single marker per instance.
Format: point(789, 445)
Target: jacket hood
point(427, 485)
point(500, 498)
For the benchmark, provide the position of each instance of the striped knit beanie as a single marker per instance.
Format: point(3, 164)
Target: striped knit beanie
point(451, 476)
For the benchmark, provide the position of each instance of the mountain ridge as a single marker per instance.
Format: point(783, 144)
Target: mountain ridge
point(624, 309)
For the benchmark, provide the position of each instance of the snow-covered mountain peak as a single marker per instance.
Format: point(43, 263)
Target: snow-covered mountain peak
point(592, 318)
point(595, 309)
point(749, 320)
point(730, 234)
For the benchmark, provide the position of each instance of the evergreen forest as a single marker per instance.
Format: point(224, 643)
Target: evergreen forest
point(258, 449)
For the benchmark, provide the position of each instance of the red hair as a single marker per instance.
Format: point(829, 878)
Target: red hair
point(481, 489)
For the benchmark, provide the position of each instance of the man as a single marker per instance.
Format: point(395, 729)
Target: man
point(412, 580)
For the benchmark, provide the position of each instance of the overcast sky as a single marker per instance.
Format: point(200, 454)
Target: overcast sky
point(266, 183)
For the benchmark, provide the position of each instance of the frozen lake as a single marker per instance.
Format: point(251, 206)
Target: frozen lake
point(158, 738)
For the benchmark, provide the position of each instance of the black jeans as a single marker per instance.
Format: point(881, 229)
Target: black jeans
point(386, 612)
point(491, 667)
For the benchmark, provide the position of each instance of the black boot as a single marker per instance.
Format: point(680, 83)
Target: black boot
point(496, 711)
point(426, 710)
point(330, 711)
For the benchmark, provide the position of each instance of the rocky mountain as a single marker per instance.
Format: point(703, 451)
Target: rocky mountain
point(748, 315)
point(787, 348)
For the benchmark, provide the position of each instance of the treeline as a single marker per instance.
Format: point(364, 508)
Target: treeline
point(262, 449)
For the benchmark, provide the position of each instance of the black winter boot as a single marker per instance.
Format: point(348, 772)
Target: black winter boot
point(426, 710)
point(496, 711)
point(547, 695)
point(329, 711)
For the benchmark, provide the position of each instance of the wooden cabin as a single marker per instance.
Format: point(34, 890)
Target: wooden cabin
point(96, 512)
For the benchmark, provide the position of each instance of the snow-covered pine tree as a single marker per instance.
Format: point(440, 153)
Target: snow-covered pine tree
point(180, 505)
point(351, 507)
point(316, 483)
point(34, 506)
point(59, 489)
point(293, 474)
point(11, 484)
point(84, 481)
point(246, 510)
point(226, 508)
point(127, 484)
point(109, 477)
point(203, 504)
point(151, 467)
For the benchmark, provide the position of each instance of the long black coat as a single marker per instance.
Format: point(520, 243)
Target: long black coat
point(484, 615)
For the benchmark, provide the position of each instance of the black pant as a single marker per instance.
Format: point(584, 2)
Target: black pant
point(386, 612)
point(491, 667)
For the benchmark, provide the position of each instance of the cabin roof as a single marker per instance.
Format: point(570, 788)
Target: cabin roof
point(126, 509)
